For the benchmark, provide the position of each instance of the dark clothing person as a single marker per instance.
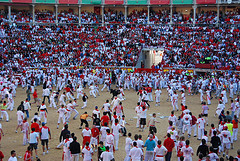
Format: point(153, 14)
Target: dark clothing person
point(216, 142)
point(75, 147)
point(64, 134)
point(203, 149)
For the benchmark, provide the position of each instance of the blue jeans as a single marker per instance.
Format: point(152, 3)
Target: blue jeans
point(27, 113)
point(168, 156)
point(29, 98)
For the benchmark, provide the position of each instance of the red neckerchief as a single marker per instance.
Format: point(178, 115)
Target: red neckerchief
point(24, 121)
point(150, 139)
point(66, 140)
point(153, 136)
point(115, 116)
point(187, 146)
point(42, 104)
point(159, 146)
point(144, 109)
point(172, 115)
point(97, 110)
point(88, 148)
point(4, 104)
point(87, 128)
point(238, 156)
point(116, 124)
point(107, 150)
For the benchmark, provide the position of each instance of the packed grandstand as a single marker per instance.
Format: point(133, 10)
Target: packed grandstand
point(113, 39)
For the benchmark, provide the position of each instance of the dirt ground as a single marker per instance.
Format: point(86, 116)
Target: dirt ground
point(13, 140)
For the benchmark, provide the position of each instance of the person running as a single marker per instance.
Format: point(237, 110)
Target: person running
point(151, 123)
point(83, 119)
point(62, 112)
point(63, 135)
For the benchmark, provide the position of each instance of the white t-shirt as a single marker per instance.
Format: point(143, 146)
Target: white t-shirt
point(140, 144)
point(143, 113)
point(160, 151)
point(135, 154)
point(128, 143)
point(225, 136)
point(87, 154)
point(97, 112)
point(62, 112)
point(103, 131)
point(106, 107)
point(12, 159)
point(44, 133)
point(115, 129)
point(86, 132)
point(172, 118)
point(107, 156)
point(158, 93)
point(109, 139)
point(187, 152)
point(186, 119)
point(33, 138)
point(173, 134)
point(201, 122)
point(20, 115)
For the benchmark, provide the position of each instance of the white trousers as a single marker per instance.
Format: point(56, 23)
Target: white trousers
point(200, 133)
point(43, 114)
point(5, 114)
point(84, 104)
point(235, 133)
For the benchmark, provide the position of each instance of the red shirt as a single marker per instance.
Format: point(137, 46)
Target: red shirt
point(68, 89)
point(95, 132)
point(104, 119)
point(35, 94)
point(36, 126)
point(169, 144)
point(235, 123)
point(194, 120)
point(1, 156)
point(27, 156)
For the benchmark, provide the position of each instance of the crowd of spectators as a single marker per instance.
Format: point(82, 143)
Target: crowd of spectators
point(117, 45)
point(161, 16)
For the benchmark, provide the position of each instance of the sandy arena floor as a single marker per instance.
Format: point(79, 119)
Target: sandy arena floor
point(13, 140)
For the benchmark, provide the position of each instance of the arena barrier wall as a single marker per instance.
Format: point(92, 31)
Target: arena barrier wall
point(91, 1)
point(156, 2)
point(137, 2)
point(182, 1)
point(68, 1)
point(206, 1)
point(117, 2)
point(22, 1)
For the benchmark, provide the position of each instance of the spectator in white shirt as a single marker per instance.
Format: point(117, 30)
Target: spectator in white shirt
point(135, 153)
point(13, 156)
point(46, 93)
point(107, 155)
